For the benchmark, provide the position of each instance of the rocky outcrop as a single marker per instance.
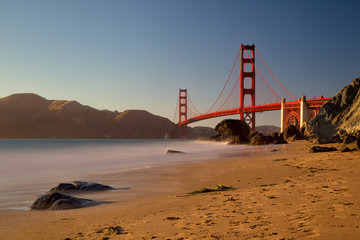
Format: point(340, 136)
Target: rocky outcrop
point(79, 186)
point(59, 201)
point(292, 133)
point(233, 131)
point(341, 113)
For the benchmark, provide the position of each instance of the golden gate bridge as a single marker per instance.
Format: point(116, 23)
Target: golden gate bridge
point(238, 96)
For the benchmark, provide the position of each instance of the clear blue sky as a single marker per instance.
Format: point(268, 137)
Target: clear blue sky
point(120, 55)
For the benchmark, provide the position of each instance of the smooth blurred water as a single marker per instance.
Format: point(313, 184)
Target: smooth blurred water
point(30, 166)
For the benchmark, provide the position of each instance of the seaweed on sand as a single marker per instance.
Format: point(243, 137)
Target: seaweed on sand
point(218, 188)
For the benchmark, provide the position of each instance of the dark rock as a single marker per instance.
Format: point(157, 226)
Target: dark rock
point(322, 140)
point(252, 134)
point(346, 149)
point(232, 127)
point(349, 139)
point(355, 145)
point(281, 140)
point(275, 136)
point(294, 132)
point(316, 149)
point(58, 201)
point(260, 139)
point(238, 140)
point(173, 151)
point(233, 131)
point(77, 186)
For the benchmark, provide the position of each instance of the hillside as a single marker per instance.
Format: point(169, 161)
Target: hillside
point(268, 129)
point(342, 112)
point(32, 116)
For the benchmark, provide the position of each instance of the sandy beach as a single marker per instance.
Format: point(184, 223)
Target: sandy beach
point(284, 194)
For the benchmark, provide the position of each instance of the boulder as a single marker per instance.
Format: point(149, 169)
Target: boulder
point(260, 139)
point(252, 134)
point(275, 136)
point(59, 201)
point(316, 149)
point(346, 149)
point(77, 186)
point(232, 127)
point(234, 131)
point(294, 132)
point(281, 139)
point(173, 151)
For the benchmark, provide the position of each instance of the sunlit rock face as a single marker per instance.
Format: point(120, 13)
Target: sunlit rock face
point(341, 113)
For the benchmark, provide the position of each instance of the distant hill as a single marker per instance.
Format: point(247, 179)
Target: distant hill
point(28, 115)
point(267, 129)
point(32, 116)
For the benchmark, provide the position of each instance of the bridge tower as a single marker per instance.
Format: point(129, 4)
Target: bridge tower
point(182, 112)
point(247, 75)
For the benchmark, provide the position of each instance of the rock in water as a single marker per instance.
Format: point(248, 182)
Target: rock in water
point(77, 186)
point(173, 151)
point(342, 112)
point(58, 201)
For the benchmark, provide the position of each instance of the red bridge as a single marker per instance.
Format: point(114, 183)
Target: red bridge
point(238, 96)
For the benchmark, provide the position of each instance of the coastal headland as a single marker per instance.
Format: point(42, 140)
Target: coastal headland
point(289, 193)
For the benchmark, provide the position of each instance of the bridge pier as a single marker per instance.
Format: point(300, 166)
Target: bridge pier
point(295, 113)
point(304, 111)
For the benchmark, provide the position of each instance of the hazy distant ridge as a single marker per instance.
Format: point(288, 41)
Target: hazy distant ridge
point(32, 116)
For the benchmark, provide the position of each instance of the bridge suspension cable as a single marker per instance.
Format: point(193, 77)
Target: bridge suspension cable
point(262, 76)
point(274, 75)
point(269, 89)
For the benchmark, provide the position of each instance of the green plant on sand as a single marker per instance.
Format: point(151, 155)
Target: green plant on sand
point(218, 188)
point(114, 230)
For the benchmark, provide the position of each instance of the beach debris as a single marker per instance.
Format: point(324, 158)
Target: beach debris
point(280, 159)
point(172, 218)
point(173, 151)
point(77, 186)
point(316, 149)
point(218, 188)
point(230, 199)
point(114, 230)
point(59, 201)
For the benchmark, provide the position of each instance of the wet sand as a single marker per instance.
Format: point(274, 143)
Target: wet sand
point(284, 194)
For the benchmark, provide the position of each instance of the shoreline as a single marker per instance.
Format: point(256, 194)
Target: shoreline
point(289, 193)
point(18, 195)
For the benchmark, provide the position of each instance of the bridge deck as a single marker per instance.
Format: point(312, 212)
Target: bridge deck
point(312, 103)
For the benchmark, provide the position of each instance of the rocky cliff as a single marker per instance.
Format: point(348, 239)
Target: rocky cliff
point(342, 112)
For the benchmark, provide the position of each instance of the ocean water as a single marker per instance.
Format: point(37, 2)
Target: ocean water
point(30, 167)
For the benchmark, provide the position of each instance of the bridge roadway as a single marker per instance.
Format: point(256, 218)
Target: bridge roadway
point(312, 104)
